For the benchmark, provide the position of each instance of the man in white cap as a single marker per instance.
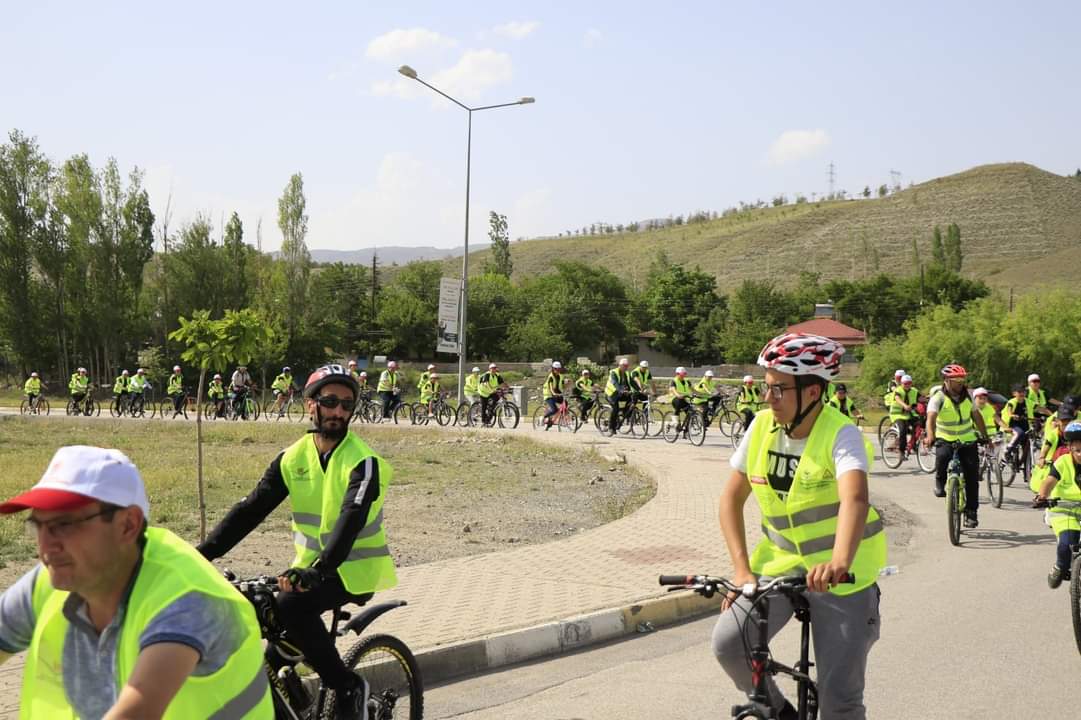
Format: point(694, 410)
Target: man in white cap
point(553, 392)
point(642, 382)
point(472, 385)
point(1037, 398)
point(487, 385)
point(389, 388)
point(121, 619)
point(618, 392)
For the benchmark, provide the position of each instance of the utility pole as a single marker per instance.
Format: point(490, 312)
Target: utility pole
point(832, 176)
point(375, 283)
point(259, 235)
point(895, 178)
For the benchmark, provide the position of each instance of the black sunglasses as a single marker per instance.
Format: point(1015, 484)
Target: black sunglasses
point(332, 401)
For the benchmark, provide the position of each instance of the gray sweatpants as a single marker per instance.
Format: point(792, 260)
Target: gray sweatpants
point(843, 629)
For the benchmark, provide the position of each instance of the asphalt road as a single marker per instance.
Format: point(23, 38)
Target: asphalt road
point(967, 632)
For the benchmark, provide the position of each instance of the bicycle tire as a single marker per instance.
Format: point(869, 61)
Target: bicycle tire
point(925, 457)
point(569, 422)
point(418, 414)
point(114, 409)
point(1011, 471)
point(1075, 598)
point(69, 409)
point(165, 406)
point(210, 411)
point(24, 407)
point(993, 475)
point(538, 416)
point(392, 674)
point(890, 445)
point(443, 414)
point(403, 414)
point(735, 433)
point(883, 424)
point(656, 417)
point(461, 415)
point(43, 404)
point(639, 424)
point(696, 429)
point(727, 417)
point(953, 510)
point(508, 415)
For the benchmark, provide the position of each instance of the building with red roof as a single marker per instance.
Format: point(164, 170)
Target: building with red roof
point(827, 327)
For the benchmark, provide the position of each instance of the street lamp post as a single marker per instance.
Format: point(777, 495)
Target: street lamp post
point(463, 304)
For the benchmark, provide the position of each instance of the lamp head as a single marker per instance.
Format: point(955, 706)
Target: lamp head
point(523, 101)
point(408, 72)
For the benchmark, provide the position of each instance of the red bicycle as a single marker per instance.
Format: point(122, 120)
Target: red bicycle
point(892, 452)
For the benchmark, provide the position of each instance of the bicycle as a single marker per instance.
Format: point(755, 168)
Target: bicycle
point(503, 411)
point(563, 419)
point(167, 407)
point(40, 406)
point(137, 406)
point(88, 406)
point(955, 492)
point(1074, 508)
point(440, 411)
point(288, 407)
point(726, 415)
point(385, 662)
point(1019, 462)
point(692, 427)
point(893, 455)
point(242, 407)
point(632, 421)
point(761, 659)
point(991, 468)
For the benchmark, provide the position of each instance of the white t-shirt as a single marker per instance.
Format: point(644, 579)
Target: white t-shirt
point(849, 453)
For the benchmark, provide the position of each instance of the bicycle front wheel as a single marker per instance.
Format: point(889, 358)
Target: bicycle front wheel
point(43, 406)
point(882, 425)
point(992, 474)
point(393, 676)
point(1075, 598)
point(890, 444)
point(727, 419)
point(639, 423)
point(735, 432)
point(670, 427)
point(953, 509)
point(925, 457)
point(696, 429)
point(443, 414)
point(538, 417)
point(461, 416)
point(508, 415)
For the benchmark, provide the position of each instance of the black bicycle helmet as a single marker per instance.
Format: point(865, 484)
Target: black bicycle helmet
point(840, 387)
point(328, 375)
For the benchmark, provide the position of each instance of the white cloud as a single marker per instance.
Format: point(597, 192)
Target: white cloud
point(475, 72)
point(515, 29)
point(592, 38)
point(796, 145)
point(400, 45)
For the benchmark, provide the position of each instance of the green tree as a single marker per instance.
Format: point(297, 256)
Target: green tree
point(216, 343)
point(938, 252)
point(494, 305)
point(678, 303)
point(757, 311)
point(952, 247)
point(235, 266)
point(499, 236)
point(883, 191)
point(408, 310)
point(293, 222)
point(866, 191)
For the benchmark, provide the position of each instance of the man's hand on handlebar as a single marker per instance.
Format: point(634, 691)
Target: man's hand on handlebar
point(300, 579)
point(739, 579)
point(822, 577)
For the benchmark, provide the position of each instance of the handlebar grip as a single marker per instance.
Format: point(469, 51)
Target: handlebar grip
point(676, 579)
point(848, 579)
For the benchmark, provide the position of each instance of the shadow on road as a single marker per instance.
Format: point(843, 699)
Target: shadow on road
point(1002, 539)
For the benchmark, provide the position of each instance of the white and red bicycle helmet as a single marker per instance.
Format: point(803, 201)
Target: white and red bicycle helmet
point(803, 354)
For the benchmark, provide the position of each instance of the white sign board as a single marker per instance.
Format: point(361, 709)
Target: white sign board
point(450, 292)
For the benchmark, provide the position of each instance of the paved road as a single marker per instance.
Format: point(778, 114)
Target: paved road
point(968, 632)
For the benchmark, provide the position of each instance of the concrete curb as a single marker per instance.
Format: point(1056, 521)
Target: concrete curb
point(448, 662)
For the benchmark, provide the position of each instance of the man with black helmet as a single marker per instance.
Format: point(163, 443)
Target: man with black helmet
point(335, 485)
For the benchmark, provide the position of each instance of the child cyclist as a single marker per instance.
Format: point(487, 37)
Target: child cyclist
point(1061, 483)
point(1015, 414)
point(1052, 447)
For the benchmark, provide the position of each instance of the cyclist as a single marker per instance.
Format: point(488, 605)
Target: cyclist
point(424, 375)
point(239, 384)
point(894, 383)
point(119, 619)
point(363, 388)
point(991, 419)
point(951, 417)
point(749, 401)
point(553, 392)
point(1062, 483)
point(708, 392)
point(903, 411)
point(79, 386)
point(32, 388)
point(215, 392)
point(1052, 446)
point(618, 388)
point(389, 389)
point(1037, 398)
point(487, 385)
point(137, 387)
point(472, 386)
point(806, 466)
point(283, 387)
point(336, 486)
point(583, 390)
point(121, 388)
point(353, 369)
point(175, 389)
point(642, 384)
point(429, 391)
point(682, 396)
point(843, 403)
point(1016, 414)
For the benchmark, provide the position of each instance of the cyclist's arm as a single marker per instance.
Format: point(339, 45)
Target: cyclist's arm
point(977, 418)
point(246, 515)
point(17, 618)
point(932, 421)
point(360, 494)
point(734, 496)
point(160, 671)
point(851, 519)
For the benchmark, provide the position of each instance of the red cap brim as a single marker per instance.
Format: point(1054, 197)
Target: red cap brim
point(45, 499)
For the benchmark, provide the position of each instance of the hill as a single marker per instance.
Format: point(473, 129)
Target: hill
point(1020, 226)
point(388, 255)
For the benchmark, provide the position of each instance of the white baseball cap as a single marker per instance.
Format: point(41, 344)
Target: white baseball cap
point(644, 364)
point(1033, 377)
point(431, 367)
point(476, 369)
point(78, 475)
point(899, 373)
point(979, 391)
point(493, 366)
point(624, 361)
point(557, 365)
point(748, 378)
point(906, 379)
point(681, 370)
point(709, 373)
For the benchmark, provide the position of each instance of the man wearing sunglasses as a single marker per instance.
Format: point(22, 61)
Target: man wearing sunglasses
point(335, 485)
point(120, 619)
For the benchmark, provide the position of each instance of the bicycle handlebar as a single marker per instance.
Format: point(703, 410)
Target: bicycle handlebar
point(707, 586)
point(1039, 504)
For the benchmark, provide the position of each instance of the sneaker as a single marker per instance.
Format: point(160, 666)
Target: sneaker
point(353, 704)
point(971, 521)
point(1055, 577)
point(940, 492)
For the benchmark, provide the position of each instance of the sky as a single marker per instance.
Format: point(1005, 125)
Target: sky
point(642, 110)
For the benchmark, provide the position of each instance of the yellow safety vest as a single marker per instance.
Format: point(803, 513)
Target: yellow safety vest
point(121, 384)
point(489, 382)
point(988, 412)
point(553, 385)
point(1065, 489)
point(748, 398)
point(682, 385)
point(170, 569)
point(428, 390)
point(472, 384)
point(799, 531)
point(846, 409)
point(616, 379)
point(316, 499)
point(955, 421)
point(388, 380)
point(32, 386)
point(896, 411)
point(641, 378)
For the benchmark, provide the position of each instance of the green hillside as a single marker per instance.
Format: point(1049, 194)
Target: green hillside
point(1020, 226)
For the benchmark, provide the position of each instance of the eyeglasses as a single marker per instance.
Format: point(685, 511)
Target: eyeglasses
point(61, 529)
point(332, 401)
point(777, 390)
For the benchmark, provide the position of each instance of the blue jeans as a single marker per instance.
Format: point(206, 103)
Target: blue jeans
point(1064, 553)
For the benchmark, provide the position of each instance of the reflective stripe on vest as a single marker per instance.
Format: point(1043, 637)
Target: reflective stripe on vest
point(316, 498)
point(800, 531)
point(388, 380)
point(170, 569)
point(617, 380)
point(682, 385)
point(954, 421)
